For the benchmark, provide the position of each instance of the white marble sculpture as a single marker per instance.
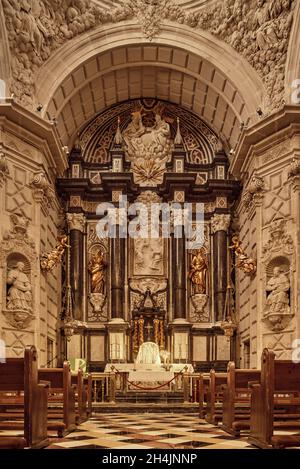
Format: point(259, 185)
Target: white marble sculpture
point(148, 149)
point(148, 354)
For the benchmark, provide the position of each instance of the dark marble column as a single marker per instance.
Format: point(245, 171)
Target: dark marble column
point(117, 261)
point(179, 277)
point(219, 226)
point(76, 223)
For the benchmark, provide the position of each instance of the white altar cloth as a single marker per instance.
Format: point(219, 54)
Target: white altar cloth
point(150, 376)
point(129, 367)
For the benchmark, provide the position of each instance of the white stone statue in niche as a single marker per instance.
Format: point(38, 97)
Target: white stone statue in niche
point(19, 295)
point(148, 149)
point(277, 312)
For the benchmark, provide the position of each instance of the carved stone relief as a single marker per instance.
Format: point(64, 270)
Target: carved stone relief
point(148, 149)
point(43, 192)
point(4, 171)
point(258, 30)
point(254, 192)
point(157, 287)
point(148, 256)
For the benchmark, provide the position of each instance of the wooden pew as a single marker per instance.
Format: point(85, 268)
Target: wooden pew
point(19, 388)
point(87, 387)
point(80, 396)
point(61, 400)
point(213, 413)
point(236, 399)
point(204, 380)
point(275, 402)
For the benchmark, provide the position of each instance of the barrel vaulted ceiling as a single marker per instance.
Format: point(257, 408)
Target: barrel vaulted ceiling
point(216, 58)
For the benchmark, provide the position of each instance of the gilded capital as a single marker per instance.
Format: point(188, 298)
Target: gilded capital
point(220, 222)
point(76, 221)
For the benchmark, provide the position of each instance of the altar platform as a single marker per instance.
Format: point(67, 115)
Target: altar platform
point(141, 377)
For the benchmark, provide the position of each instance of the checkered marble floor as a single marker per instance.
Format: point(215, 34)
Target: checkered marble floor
point(149, 431)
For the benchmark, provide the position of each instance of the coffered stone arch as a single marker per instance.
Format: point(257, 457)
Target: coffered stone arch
point(115, 63)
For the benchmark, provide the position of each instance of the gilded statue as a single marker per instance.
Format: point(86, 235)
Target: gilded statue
point(51, 260)
point(245, 263)
point(19, 295)
point(198, 271)
point(277, 286)
point(97, 267)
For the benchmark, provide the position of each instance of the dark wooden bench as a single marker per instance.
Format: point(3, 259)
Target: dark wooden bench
point(81, 396)
point(61, 400)
point(87, 389)
point(237, 399)
point(214, 403)
point(204, 380)
point(275, 403)
point(23, 402)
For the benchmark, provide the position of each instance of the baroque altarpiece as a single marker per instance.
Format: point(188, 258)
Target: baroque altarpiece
point(122, 291)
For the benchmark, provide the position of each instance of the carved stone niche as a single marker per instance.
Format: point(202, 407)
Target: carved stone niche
point(18, 298)
point(278, 308)
point(18, 261)
point(278, 258)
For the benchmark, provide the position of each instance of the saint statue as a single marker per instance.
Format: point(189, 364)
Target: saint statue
point(19, 295)
point(278, 286)
point(96, 267)
point(198, 271)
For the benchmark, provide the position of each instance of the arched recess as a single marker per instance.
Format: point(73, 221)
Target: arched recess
point(5, 72)
point(205, 75)
point(292, 68)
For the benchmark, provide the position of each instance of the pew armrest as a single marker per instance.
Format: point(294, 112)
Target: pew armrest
point(253, 384)
point(44, 384)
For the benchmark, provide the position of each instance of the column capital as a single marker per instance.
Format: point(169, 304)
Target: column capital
point(76, 221)
point(220, 222)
